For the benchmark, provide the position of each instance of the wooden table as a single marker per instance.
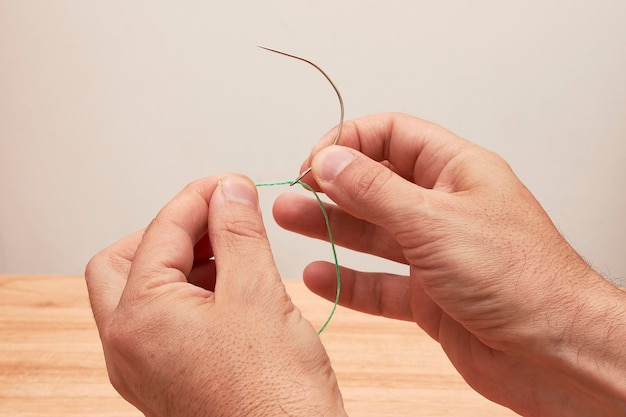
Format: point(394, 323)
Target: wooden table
point(51, 361)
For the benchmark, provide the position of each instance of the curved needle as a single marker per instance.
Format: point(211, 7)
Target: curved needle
point(336, 91)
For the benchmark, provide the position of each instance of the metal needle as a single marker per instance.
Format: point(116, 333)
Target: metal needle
point(336, 91)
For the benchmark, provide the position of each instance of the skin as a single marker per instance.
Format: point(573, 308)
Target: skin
point(185, 335)
point(522, 317)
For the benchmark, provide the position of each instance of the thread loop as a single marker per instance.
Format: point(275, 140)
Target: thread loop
point(330, 239)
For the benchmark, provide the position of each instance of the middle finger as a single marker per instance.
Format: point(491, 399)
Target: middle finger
point(302, 215)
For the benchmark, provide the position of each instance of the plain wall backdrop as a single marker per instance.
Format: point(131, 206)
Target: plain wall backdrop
point(108, 108)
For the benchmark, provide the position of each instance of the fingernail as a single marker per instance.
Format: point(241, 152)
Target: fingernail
point(331, 161)
point(239, 190)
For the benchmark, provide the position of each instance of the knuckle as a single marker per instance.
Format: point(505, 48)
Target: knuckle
point(108, 261)
point(93, 267)
point(195, 185)
point(98, 265)
point(370, 183)
point(243, 229)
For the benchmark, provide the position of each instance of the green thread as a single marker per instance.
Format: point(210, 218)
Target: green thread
point(330, 239)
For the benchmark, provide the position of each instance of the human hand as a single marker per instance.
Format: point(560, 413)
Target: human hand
point(522, 317)
point(186, 335)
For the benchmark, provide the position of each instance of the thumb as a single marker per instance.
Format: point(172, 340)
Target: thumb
point(243, 259)
point(368, 190)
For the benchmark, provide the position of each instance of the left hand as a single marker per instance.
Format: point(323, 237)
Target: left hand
point(186, 335)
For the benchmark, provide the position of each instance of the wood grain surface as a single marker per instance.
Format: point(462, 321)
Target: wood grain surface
point(51, 361)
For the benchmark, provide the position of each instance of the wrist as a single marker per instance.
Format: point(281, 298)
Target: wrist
point(284, 409)
point(588, 348)
point(302, 396)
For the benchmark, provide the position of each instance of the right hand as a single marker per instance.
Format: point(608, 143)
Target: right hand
point(523, 318)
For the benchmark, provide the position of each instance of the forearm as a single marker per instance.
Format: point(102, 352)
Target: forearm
point(590, 352)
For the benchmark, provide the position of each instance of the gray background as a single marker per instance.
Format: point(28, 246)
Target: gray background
point(107, 109)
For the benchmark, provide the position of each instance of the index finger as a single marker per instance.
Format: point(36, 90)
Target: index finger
point(415, 149)
point(166, 252)
point(106, 275)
